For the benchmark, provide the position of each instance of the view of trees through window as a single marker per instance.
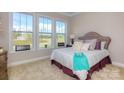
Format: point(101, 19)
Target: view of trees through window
point(22, 39)
point(45, 40)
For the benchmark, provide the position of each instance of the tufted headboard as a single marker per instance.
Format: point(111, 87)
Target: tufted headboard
point(94, 35)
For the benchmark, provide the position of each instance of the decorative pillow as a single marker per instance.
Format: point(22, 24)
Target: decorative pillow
point(86, 46)
point(80, 46)
point(103, 43)
point(98, 45)
point(92, 43)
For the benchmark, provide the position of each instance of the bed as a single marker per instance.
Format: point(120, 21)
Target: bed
point(63, 58)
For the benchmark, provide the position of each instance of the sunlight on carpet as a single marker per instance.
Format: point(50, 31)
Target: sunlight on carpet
point(43, 70)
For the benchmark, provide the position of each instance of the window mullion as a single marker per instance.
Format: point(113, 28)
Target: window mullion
point(26, 24)
point(20, 22)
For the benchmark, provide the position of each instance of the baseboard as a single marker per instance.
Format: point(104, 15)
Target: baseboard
point(120, 64)
point(27, 61)
point(46, 57)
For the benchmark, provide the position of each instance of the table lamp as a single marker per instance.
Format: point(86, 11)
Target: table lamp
point(72, 36)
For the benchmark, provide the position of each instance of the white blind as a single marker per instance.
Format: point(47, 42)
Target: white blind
point(60, 27)
point(22, 22)
point(45, 25)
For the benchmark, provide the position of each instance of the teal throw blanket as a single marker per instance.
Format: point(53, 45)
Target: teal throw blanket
point(80, 62)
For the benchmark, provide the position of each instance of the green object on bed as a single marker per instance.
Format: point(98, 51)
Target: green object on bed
point(80, 62)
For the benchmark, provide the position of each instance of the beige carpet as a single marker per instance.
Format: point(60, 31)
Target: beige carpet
point(43, 70)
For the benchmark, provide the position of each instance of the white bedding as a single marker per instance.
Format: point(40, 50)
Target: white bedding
point(65, 56)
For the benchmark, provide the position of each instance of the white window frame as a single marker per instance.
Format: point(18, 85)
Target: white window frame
point(66, 30)
point(52, 34)
point(11, 32)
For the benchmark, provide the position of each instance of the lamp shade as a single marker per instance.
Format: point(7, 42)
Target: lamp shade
point(72, 36)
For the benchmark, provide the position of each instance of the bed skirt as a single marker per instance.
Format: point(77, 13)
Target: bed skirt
point(96, 67)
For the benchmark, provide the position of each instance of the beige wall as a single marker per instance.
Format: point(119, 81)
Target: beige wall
point(4, 17)
point(107, 24)
point(21, 56)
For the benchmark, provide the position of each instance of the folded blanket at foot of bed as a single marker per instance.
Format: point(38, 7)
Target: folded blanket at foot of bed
point(80, 65)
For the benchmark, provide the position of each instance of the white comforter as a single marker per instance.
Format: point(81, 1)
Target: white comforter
point(65, 56)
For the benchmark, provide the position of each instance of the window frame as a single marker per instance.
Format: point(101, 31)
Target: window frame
point(11, 50)
point(65, 34)
point(52, 33)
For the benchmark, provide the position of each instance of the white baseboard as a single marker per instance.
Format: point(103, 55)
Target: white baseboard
point(27, 61)
point(120, 64)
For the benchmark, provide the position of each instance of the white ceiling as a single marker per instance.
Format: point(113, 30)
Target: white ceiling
point(69, 13)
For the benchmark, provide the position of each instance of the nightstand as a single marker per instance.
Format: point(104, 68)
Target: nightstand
point(68, 45)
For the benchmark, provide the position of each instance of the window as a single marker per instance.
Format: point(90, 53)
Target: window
point(22, 30)
point(60, 33)
point(49, 33)
point(45, 32)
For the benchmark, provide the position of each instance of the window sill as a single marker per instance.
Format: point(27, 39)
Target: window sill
point(60, 47)
point(45, 48)
point(13, 52)
point(32, 50)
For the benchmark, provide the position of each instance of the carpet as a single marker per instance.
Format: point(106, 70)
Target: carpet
point(43, 70)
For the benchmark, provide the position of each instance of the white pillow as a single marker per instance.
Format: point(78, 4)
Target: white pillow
point(80, 46)
point(92, 43)
point(103, 45)
point(86, 46)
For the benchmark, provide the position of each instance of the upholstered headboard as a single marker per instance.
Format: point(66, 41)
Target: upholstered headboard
point(94, 35)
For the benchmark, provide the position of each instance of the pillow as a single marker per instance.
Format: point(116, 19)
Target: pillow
point(80, 46)
point(103, 43)
point(98, 45)
point(86, 46)
point(92, 43)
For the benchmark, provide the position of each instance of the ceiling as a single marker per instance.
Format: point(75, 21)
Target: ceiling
point(70, 13)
